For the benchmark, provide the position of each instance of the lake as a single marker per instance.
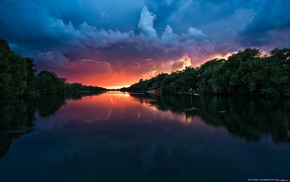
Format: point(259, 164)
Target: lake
point(116, 136)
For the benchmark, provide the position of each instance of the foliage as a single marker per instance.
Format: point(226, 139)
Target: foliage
point(50, 84)
point(13, 72)
point(178, 81)
point(247, 72)
point(77, 88)
point(18, 78)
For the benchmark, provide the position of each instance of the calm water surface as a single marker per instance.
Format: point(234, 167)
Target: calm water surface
point(118, 136)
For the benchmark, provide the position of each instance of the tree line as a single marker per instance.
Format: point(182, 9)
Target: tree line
point(247, 72)
point(18, 78)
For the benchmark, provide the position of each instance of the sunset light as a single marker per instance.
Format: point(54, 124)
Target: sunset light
point(155, 38)
point(144, 90)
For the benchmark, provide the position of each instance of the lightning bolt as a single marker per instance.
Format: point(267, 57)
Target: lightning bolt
point(109, 114)
point(138, 115)
point(99, 62)
point(148, 62)
point(111, 99)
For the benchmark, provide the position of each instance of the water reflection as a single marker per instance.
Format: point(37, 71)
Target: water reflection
point(17, 117)
point(136, 137)
point(249, 118)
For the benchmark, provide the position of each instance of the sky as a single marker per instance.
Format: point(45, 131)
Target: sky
point(113, 43)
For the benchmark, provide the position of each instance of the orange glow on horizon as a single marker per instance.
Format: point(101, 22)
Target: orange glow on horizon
point(219, 56)
point(214, 56)
point(117, 87)
point(118, 75)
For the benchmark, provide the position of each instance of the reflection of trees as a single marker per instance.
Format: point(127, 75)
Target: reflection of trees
point(249, 118)
point(175, 103)
point(79, 95)
point(244, 117)
point(49, 105)
point(17, 116)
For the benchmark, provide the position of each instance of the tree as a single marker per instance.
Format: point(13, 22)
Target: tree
point(208, 76)
point(50, 84)
point(13, 73)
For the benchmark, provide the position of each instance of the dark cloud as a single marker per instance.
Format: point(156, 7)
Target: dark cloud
point(272, 17)
point(124, 33)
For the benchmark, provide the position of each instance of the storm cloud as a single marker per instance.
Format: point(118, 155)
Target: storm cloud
point(117, 35)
